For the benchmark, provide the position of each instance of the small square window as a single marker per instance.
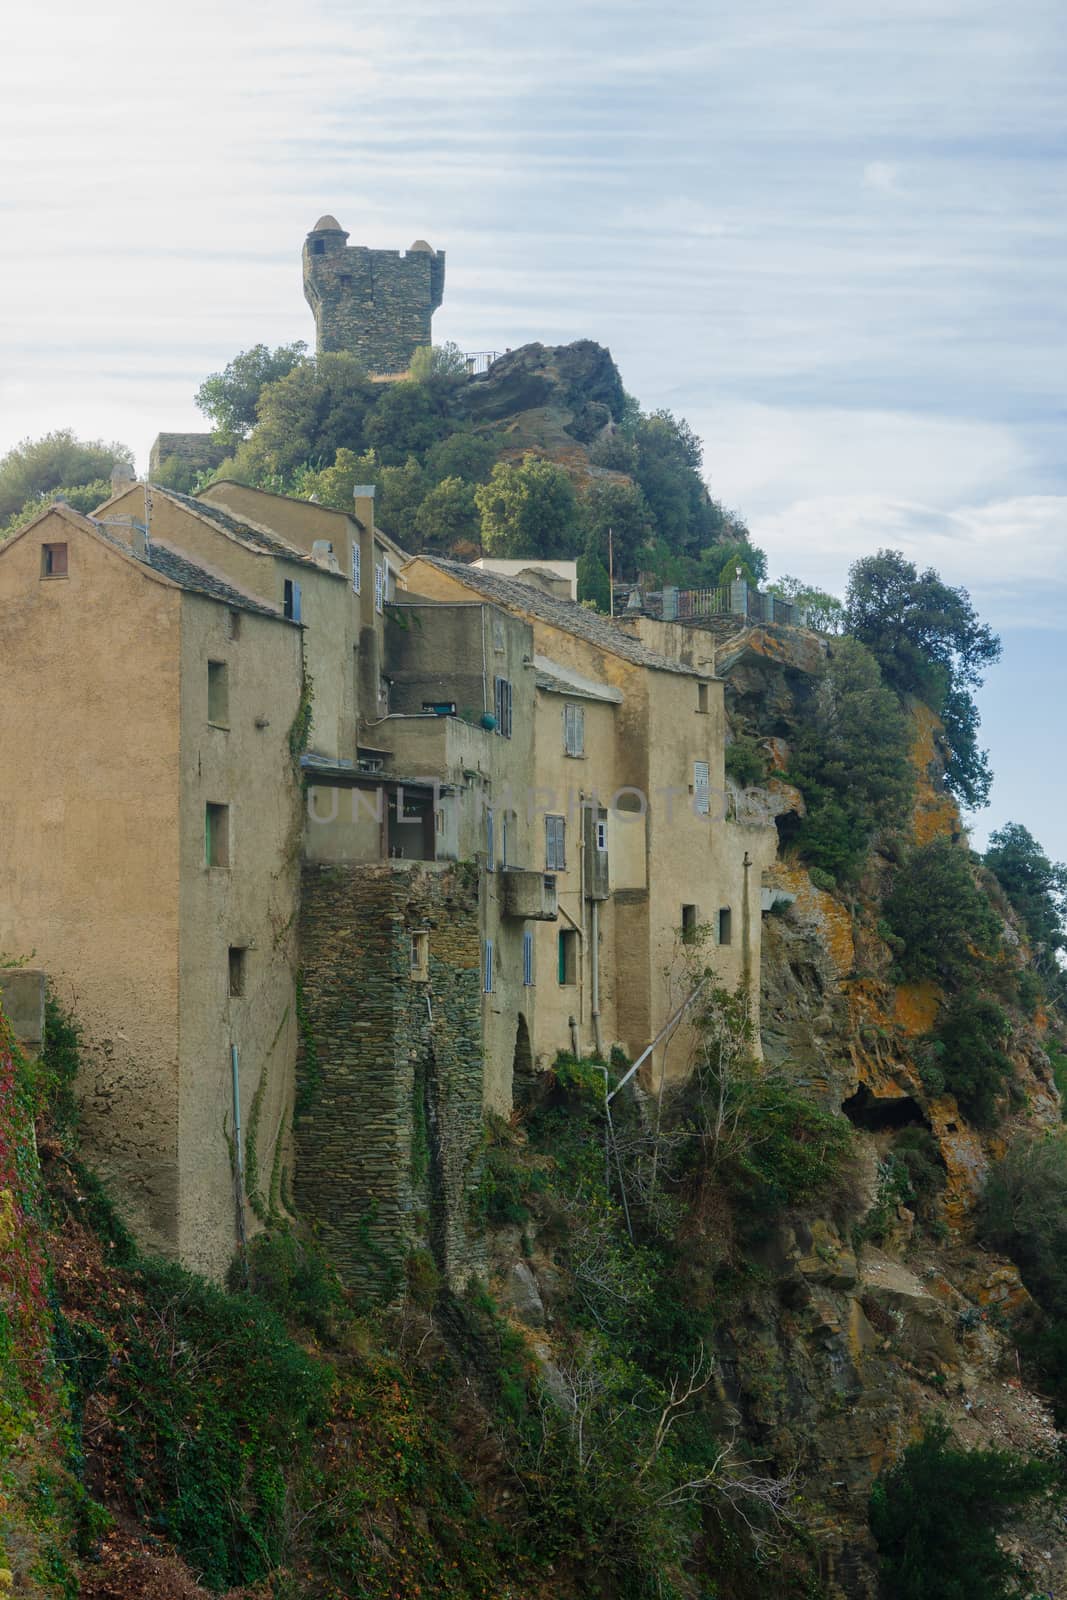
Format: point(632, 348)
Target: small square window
point(419, 954)
point(218, 694)
point(217, 835)
point(725, 925)
point(318, 247)
point(237, 969)
point(689, 924)
point(53, 561)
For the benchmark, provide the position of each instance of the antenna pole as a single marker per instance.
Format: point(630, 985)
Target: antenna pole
point(611, 572)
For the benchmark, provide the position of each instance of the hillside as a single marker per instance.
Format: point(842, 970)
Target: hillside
point(686, 1372)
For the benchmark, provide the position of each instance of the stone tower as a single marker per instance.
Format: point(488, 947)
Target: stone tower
point(376, 303)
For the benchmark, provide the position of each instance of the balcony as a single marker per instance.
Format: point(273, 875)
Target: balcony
point(529, 896)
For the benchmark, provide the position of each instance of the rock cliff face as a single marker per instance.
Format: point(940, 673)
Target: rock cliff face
point(834, 1364)
point(553, 400)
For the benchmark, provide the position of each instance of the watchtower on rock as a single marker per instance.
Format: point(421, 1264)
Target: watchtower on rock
point(378, 304)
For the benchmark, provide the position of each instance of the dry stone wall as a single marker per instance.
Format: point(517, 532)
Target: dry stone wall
point(389, 1101)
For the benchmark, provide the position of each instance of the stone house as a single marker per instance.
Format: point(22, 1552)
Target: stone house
point(151, 857)
point(627, 814)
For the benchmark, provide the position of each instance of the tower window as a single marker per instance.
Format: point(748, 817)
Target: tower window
point(217, 835)
point(53, 561)
point(689, 924)
point(233, 625)
point(702, 697)
point(420, 954)
point(318, 247)
point(237, 969)
point(218, 694)
point(725, 925)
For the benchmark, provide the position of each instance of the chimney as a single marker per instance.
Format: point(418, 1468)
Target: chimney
point(123, 477)
point(363, 496)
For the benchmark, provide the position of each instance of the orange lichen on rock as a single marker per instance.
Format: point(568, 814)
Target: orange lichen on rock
point(936, 813)
point(915, 1007)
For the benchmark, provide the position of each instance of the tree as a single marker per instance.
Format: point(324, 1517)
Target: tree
point(438, 361)
point(667, 468)
point(825, 612)
point(941, 922)
point(594, 584)
point(448, 516)
point(36, 470)
point(966, 1056)
point(851, 762)
point(925, 636)
point(936, 1514)
point(308, 415)
point(408, 418)
point(928, 641)
point(622, 509)
point(470, 456)
point(230, 398)
point(528, 510)
point(1036, 886)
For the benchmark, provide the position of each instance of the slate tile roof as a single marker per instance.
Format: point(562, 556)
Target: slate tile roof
point(566, 615)
point(246, 532)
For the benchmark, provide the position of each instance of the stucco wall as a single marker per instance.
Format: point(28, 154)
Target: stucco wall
point(250, 905)
point(89, 861)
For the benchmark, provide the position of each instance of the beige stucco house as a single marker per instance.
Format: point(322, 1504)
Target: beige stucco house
point(627, 814)
point(150, 860)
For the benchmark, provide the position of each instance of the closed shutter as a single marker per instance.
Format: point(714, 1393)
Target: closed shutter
point(379, 587)
point(701, 788)
point(357, 570)
point(527, 959)
point(490, 841)
point(574, 730)
point(502, 699)
point(555, 844)
point(489, 966)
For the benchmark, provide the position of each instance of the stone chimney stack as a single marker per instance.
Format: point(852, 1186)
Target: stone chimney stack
point(123, 477)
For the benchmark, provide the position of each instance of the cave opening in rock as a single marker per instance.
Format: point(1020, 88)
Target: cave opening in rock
point(873, 1113)
point(788, 825)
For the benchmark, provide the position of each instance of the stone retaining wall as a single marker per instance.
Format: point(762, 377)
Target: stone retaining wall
point(389, 1079)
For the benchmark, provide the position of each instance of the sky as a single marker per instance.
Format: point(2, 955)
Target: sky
point(832, 236)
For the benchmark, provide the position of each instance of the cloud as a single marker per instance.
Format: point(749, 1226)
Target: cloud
point(882, 176)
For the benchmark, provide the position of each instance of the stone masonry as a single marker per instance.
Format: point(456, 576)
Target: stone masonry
point(389, 1081)
point(377, 304)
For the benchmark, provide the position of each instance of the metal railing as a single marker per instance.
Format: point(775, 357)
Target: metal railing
point(480, 360)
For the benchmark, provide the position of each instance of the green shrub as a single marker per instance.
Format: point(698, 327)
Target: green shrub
point(966, 1057)
point(1023, 1212)
point(936, 1513)
point(944, 922)
point(210, 1407)
point(787, 1151)
point(851, 762)
point(745, 762)
point(822, 880)
point(292, 1274)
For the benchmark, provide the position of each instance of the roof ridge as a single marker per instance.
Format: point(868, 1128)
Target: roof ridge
point(568, 615)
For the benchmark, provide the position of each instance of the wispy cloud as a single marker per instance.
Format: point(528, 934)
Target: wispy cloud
point(833, 236)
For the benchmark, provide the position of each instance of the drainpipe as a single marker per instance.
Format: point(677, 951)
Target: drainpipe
point(581, 884)
point(594, 937)
point(746, 933)
point(238, 1153)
